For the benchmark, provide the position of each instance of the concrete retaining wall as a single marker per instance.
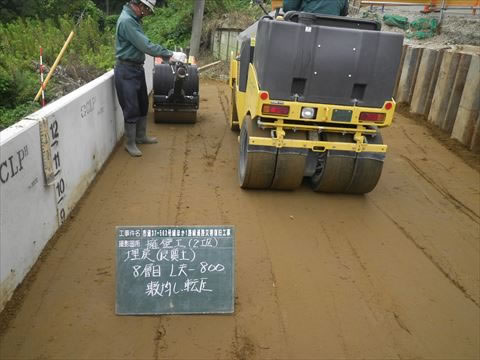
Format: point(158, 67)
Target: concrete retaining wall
point(47, 161)
point(443, 84)
point(224, 41)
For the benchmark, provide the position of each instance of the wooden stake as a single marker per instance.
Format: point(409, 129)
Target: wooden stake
point(57, 61)
point(208, 66)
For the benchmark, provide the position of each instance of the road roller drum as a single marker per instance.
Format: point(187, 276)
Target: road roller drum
point(175, 92)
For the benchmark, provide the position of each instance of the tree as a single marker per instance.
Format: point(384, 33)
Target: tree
point(43, 9)
point(110, 6)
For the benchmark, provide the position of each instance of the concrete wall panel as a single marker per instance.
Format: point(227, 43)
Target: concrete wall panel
point(427, 73)
point(469, 107)
point(475, 145)
point(456, 93)
point(72, 137)
point(27, 207)
point(433, 83)
point(224, 41)
point(443, 90)
point(82, 134)
point(406, 84)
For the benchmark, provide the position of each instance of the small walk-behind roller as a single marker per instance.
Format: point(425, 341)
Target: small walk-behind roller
point(175, 92)
point(309, 95)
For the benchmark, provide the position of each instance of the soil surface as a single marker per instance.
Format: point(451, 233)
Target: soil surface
point(392, 274)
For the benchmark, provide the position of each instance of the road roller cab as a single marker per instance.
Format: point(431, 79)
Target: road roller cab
point(309, 95)
point(175, 92)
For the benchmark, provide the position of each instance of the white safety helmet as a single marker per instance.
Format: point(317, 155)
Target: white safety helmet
point(150, 4)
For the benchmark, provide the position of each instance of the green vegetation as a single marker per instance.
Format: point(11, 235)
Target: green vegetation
point(20, 41)
point(26, 25)
point(172, 25)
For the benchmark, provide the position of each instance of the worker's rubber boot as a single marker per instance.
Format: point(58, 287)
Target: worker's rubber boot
point(142, 137)
point(130, 145)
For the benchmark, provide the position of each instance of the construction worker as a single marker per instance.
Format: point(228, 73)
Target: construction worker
point(431, 7)
point(327, 7)
point(131, 45)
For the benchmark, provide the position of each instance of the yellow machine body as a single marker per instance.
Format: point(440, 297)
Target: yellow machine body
point(285, 140)
point(251, 103)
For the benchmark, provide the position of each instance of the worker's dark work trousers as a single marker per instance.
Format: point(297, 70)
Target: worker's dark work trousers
point(131, 91)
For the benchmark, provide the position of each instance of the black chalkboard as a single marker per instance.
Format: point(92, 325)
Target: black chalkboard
point(175, 270)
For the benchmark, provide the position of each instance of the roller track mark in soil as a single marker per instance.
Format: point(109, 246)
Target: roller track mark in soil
point(211, 158)
point(333, 248)
point(224, 103)
point(222, 98)
point(455, 282)
point(340, 335)
point(370, 296)
point(171, 165)
point(159, 339)
point(355, 254)
point(274, 284)
point(413, 141)
point(335, 251)
point(199, 127)
point(224, 218)
point(444, 192)
point(400, 322)
point(243, 347)
point(178, 208)
point(276, 298)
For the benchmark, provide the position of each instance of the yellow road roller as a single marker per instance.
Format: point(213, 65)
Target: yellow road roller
point(309, 95)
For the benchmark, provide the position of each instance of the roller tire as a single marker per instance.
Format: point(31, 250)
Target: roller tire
point(162, 79)
point(191, 86)
point(256, 165)
point(337, 172)
point(368, 169)
point(290, 165)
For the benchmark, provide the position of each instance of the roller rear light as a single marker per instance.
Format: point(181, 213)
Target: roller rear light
point(372, 117)
point(275, 110)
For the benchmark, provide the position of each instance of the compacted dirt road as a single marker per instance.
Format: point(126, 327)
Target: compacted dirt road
point(392, 274)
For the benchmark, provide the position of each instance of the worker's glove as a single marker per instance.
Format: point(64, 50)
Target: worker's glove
point(178, 56)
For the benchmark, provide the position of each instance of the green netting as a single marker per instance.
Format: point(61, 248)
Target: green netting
point(420, 35)
point(422, 28)
point(424, 24)
point(371, 15)
point(396, 20)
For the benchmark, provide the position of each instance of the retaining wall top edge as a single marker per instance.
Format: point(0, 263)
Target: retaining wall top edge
point(462, 49)
point(9, 133)
point(465, 49)
point(229, 29)
point(65, 100)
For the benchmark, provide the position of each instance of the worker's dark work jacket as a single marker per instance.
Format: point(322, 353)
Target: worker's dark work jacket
point(131, 45)
point(327, 7)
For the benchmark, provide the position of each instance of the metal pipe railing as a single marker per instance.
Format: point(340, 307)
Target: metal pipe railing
point(389, 3)
point(433, 3)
